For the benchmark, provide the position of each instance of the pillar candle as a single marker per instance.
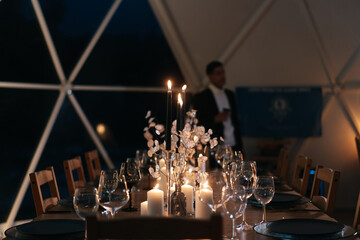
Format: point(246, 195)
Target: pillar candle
point(144, 208)
point(168, 117)
point(188, 190)
point(202, 210)
point(155, 199)
point(163, 180)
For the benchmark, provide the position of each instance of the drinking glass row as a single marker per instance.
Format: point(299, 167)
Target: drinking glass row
point(113, 192)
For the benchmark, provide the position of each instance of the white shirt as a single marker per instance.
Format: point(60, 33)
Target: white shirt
point(222, 102)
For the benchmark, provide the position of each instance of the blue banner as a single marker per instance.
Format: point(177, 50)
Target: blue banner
point(279, 112)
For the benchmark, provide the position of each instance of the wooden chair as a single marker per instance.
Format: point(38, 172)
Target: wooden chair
point(69, 166)
point(37, 179)
point(331, 177)
point(300, 183)
point(93, 164)
point(282, 164)
point(356, 223)
point(146, 227)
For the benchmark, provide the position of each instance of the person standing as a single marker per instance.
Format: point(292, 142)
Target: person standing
point(216, 107)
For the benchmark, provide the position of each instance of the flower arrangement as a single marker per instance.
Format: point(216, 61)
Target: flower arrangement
point(190, 143)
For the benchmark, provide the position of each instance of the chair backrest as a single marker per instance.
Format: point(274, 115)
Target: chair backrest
point(93, 164)
point(356, 223)
point(69, 166)
point(146, 227)
point(300, 183)
point(331, 177)
point(282, 164)
point(37, 179)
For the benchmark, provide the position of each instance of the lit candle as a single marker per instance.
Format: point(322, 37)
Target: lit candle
point(179, 114)
point(188, 190)
point(202, 210)
point(144, 208)
point(168, 117)
point(155, 199)
point(184, 87)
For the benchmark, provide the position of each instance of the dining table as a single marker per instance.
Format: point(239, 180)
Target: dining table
point(304, 210)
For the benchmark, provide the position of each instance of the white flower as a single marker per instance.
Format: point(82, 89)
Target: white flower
point(160, 128)
point(151, 120)
point(148, 135)
point(150, 143)
point(202, 159)
point(148, 114)
point(210, 131)
point(213, 143)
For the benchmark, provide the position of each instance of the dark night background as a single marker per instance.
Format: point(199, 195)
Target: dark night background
point(131, 52)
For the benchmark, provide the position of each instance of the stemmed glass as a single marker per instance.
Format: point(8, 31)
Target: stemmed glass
point(113, 193)
point(233, 201)
point(246, 177)
point(133, 176)
point(264, 192)
point(223, 155)
point(86, 201)
point(216, 181)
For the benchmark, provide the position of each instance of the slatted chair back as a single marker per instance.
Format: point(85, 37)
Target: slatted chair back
point(300, 181)
point(37, 179)
point(69, 166)
point(282, 164)
point(356, 223)
point(328, 175)
point(93, 164)
point(154, 228)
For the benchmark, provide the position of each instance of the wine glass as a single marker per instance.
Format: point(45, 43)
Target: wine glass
point(223, 154)
point(133, 176)
point(246, 177)
point(264, 192)
point(233, 201)
point(115, 199)
point(86, 202)
point(107, 183)
point(216, 181)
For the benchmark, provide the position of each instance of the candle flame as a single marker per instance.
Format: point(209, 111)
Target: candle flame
point(169, 85)
point(200, 155)
point(205, 185)
point(180, 99)
point(157, 186)
point(184, 87)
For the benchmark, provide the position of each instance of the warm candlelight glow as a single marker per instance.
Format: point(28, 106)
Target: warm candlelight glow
point(187, 181)
point(169, 85)
point(180, 99)
point(196, 139)
point(184, 87)
point(205, 185)
point(157, 186)
point(200, 155)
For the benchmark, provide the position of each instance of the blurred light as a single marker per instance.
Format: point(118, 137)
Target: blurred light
point(100, 128)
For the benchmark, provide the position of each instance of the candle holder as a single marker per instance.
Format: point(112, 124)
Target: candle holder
point(168, 161)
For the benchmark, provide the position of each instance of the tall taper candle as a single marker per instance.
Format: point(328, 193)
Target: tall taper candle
point(168, 117)
point(184, 87)
point(178, 113)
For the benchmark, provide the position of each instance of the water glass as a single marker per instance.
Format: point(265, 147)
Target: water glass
point(86, 202)
point(264, 192)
